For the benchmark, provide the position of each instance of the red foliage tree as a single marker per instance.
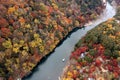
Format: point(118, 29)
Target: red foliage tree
point(5, 32)
point(3, 22)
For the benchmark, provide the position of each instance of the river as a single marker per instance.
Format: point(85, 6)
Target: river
point(52, 67)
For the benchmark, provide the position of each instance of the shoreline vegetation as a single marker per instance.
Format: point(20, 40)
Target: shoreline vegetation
point(31, 29)
point(96, 56)
point(46, 56)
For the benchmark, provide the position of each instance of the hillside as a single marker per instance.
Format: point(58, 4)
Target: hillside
point(97, 54)
point(31, 29)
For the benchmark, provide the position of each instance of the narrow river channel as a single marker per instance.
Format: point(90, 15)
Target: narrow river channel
point(53, 66)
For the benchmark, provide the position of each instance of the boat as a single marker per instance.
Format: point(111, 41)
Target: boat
point(63, 59)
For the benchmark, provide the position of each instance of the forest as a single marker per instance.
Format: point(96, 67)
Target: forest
point(97, 55)
point(31, 29)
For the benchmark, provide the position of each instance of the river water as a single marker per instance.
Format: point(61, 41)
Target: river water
point(53, 66)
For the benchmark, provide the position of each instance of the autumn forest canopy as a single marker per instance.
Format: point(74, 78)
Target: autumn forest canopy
point(31, 29)
point(97, 54)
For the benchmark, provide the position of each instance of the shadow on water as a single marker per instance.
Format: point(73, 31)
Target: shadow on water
point(44, 68)
point(44, 59)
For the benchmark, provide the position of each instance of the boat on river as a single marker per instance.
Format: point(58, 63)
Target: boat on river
point(46, 68)
point(63, 60)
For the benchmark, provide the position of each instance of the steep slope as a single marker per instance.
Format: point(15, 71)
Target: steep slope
point(97, 55)
point(31, 29)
